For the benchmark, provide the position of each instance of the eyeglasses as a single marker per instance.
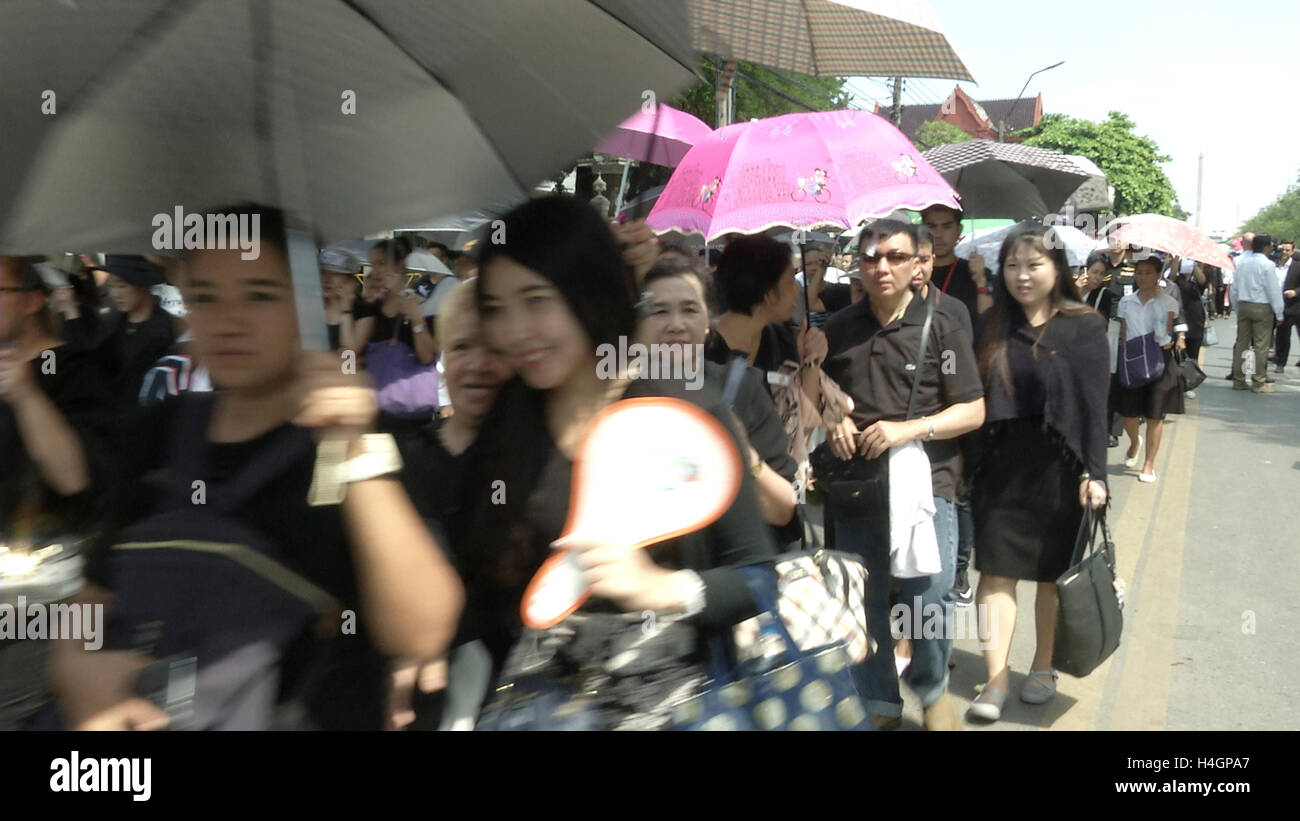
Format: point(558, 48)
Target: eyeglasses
point(892, 257)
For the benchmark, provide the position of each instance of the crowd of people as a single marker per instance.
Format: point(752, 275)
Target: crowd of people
point(400, 490)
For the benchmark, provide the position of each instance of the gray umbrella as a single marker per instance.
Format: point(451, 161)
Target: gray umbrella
point(357, 114)
point(352, 115)
point(1007, 180)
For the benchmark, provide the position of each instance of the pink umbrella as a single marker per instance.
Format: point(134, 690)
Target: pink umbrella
point(661, 136)
point(1169, 235)
point(824, 169)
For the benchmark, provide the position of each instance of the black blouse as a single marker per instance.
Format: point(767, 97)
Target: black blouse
point(1060, 372)
point(500, 546)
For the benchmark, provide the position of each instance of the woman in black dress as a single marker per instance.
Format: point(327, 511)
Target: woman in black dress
point(1041, 455)
point(549, 296)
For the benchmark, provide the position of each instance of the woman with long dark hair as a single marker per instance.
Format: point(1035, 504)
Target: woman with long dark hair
point(549, 296)
point(1041, 456)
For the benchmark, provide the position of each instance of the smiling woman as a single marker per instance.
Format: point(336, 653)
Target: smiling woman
point(554, 291)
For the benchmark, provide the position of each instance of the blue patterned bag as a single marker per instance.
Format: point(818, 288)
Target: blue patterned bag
point(805, 691)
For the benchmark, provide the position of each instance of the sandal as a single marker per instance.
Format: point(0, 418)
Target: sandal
point(1038, 690)
point(987, 706)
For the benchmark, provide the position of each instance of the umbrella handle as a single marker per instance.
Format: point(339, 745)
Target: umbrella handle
point(807, 304)
point(308, 300)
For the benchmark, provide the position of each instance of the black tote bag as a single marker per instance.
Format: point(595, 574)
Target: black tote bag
point(1089, 620)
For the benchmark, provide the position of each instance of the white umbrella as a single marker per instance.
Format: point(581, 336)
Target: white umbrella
point(988, 242)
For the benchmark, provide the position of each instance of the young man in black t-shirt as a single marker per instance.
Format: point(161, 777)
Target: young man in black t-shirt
point(965, 280)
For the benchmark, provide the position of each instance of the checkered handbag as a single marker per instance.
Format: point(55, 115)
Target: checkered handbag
point(822, 600)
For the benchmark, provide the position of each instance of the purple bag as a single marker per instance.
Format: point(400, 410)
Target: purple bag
point(1141, 361)
point(404, 385)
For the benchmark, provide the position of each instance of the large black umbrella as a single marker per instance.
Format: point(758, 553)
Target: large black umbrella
point(1007, 180)
point(357, 115)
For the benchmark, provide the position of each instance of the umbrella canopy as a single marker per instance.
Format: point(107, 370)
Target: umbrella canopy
point(826, 169)
point(883, 38)
point(1095, 194)
point(988, 243)
point(1169, 235)
point(1006, 179)
point(661, 136)
point(356, 116)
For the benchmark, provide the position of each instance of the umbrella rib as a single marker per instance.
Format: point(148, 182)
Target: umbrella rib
point(812, 43)
point(365, 15)
point(174, 11)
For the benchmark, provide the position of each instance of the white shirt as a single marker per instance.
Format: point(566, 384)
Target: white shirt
point(1282, 271)
point(1153, 317)
point(1256, 281)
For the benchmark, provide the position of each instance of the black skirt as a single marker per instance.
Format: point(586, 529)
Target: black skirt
point(1025, 503)
point(1155, 400)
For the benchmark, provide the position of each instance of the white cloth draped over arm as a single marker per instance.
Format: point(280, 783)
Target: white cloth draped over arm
point(914, 547)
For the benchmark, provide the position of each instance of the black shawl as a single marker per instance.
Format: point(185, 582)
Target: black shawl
point(1068, 376)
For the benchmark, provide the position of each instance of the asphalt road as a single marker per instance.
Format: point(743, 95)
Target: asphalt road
point(1211, 556)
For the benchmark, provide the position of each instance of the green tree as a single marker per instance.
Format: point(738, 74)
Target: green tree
point(1131, 162)
point(1280, 219)
point(755, 100)
point(937, 132)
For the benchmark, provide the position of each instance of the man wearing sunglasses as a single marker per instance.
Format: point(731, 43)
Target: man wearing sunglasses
point(873, 348)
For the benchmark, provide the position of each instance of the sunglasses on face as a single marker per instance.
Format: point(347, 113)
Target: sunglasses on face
point(892, 257)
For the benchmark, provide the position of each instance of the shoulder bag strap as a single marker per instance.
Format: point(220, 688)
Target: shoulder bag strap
point(920, 357)
point(735, 372)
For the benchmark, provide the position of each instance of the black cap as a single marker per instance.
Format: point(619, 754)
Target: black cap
point(133, 270)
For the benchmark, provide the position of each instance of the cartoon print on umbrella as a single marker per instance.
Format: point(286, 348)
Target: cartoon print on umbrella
point(709, 191)
point(905, 170)
point(814, 186)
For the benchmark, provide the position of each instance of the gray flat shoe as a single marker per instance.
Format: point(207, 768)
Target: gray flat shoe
point(1036, 689)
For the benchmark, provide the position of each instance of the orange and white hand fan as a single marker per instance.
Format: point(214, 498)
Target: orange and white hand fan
point(647, 470)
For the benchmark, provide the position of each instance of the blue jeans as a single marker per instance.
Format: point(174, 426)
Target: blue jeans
point(927, 675)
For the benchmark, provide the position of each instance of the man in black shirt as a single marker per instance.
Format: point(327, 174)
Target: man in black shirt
point(143, 332)
point(967, 281)
point(872, 354)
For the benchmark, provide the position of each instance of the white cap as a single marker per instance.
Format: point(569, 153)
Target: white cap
point(422, 261)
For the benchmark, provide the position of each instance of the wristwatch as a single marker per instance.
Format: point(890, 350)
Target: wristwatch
point(984, 290)
point(334, 471)
point(417, 327)
point(691, 588)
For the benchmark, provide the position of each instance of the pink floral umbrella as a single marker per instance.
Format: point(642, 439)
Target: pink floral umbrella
point(823, 169)
point(1169, 235)
point(661, 136)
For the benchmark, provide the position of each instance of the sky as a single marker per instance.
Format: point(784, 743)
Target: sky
point(1194, 75)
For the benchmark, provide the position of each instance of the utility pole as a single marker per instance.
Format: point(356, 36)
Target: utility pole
point(1200, 178)
point(896, 113)
point(724, 95)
